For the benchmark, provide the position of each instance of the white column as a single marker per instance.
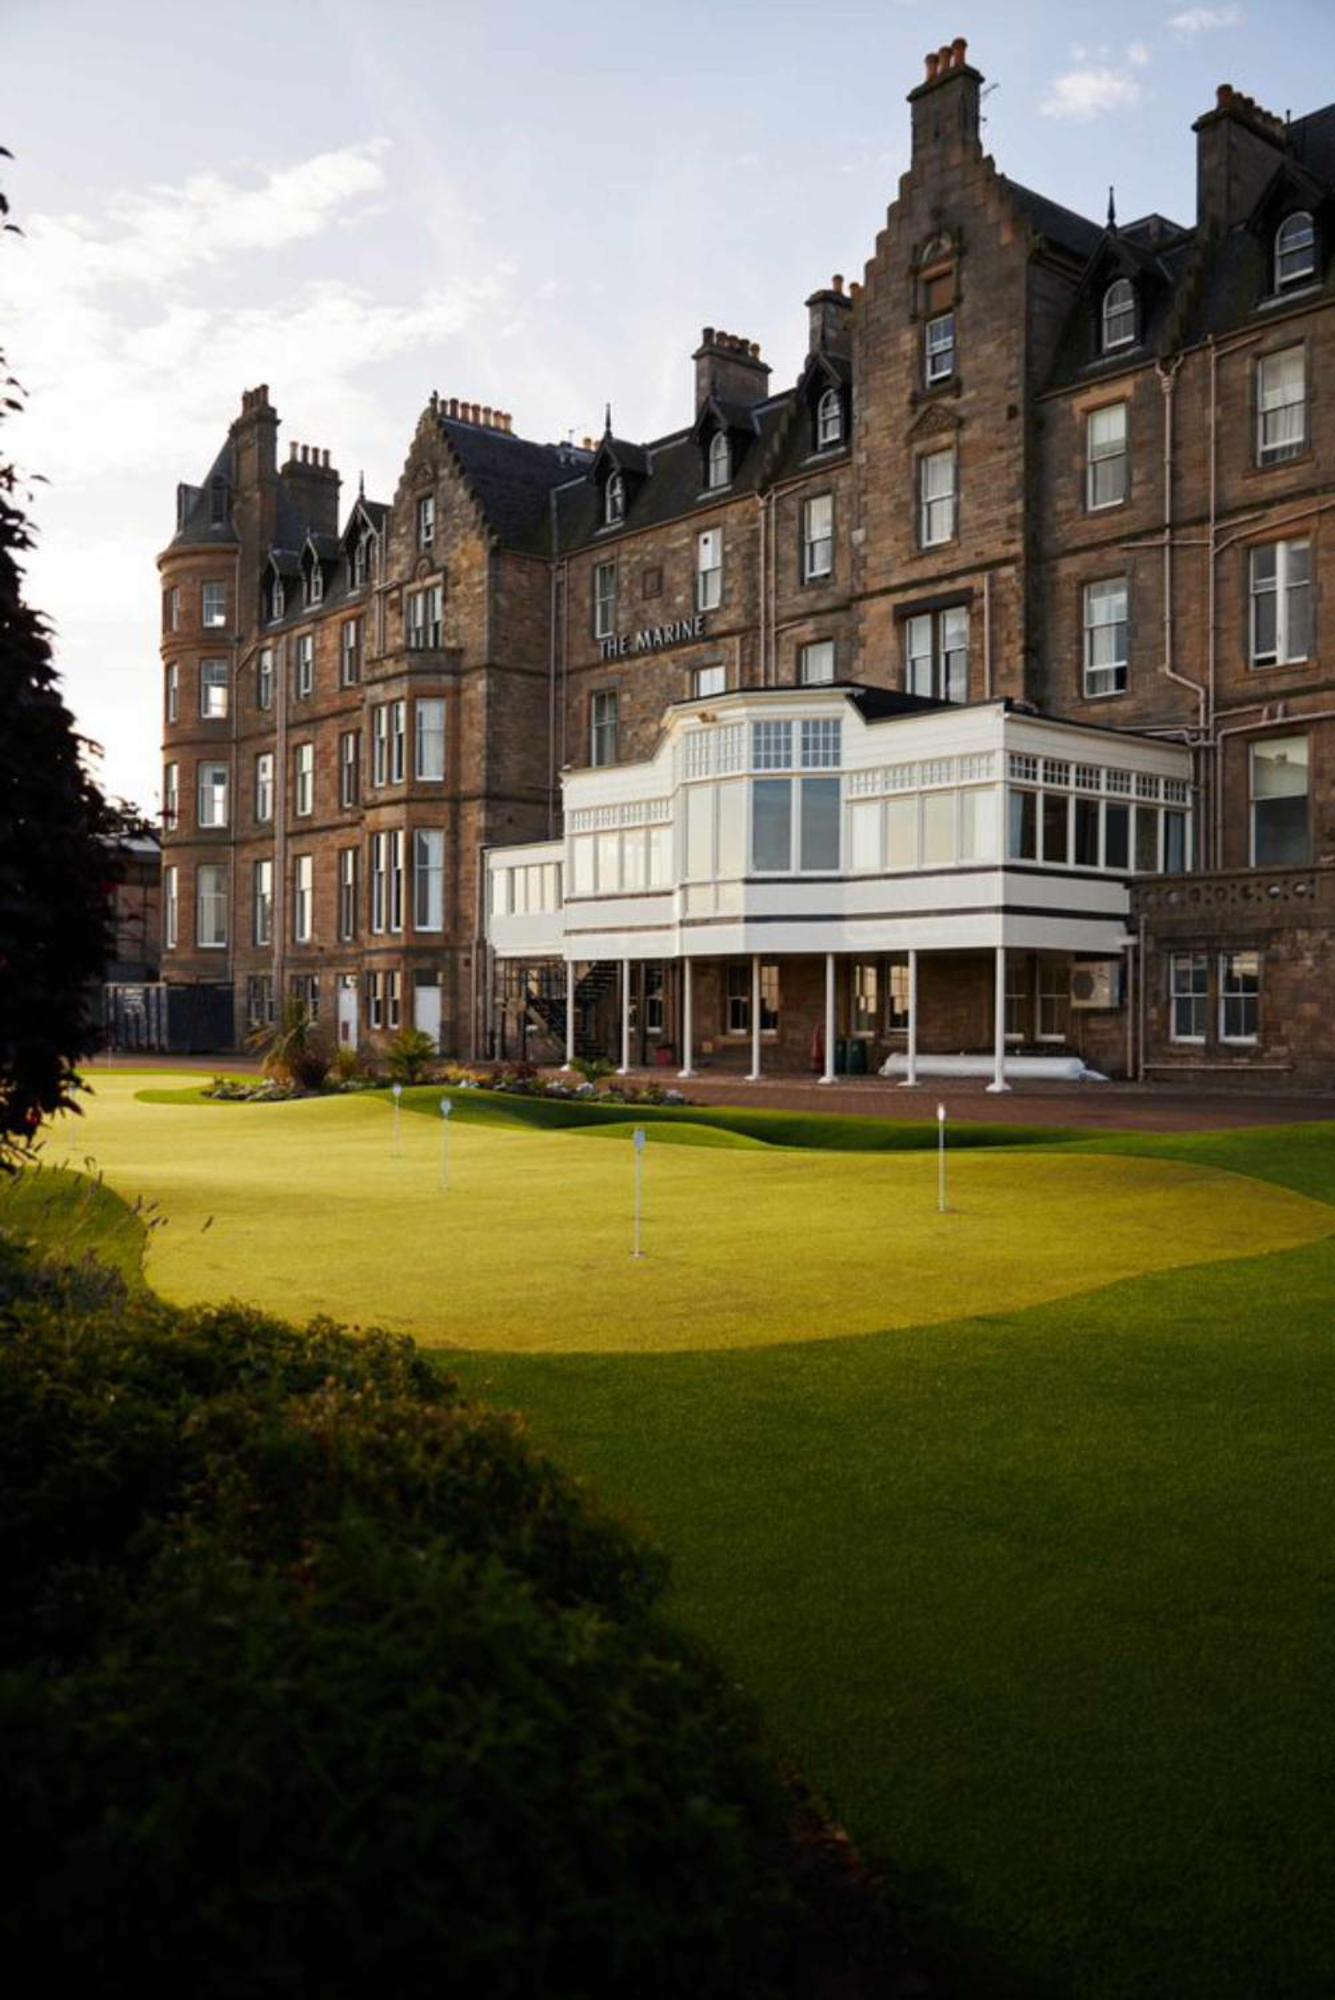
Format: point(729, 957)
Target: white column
point(999, 1024)
point(829, 1018)
point(569, 1062)
point(625, 1018)
point(754, 1075)
point(687, 1021)
point(910, 1076)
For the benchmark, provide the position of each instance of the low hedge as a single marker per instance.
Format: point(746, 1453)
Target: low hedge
point(314, 1673)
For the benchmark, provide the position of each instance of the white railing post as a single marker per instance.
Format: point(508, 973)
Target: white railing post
point(625, 1018)
point(910, 1076)
point(828, 1077)
point(687, 1021)
point(754, 1076)
point(999, 1025)
point(569, 1062)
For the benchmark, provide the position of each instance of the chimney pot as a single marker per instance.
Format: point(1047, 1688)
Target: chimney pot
point(930, 63)
point(486, 415)
point(325, 461)
point(943, 60)
point(959, 49)
point(855, 290)
point(707, 337)
point(292, 452)
point(837, 281)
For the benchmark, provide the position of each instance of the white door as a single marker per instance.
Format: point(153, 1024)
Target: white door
point(347, 1012)
point(426, 1011)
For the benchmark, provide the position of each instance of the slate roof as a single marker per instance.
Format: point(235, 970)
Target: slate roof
point(197, 525)
point(1059, 225)
point(513, 479)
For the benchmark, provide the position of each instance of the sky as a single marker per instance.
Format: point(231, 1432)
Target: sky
point(530, 206)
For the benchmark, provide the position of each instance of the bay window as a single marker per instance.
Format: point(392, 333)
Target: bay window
point(214, 678)
point(429, 879)
point(211, 906)
point(429, 722)
point(212, 795)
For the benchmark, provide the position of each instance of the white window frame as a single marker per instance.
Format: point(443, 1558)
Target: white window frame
point(261, 898)
point(264, 787)
point(303, 897)
point(1239, 998)
point(171, 797)
point(1117, 320)
point(1281, 587)
point(428, 879)
point(429, 736)
point(1114, 671)
point(933, 653)
point(347, 893)
point(1258, 745)
point(817, 537)
point(816, 665)
point(426, 521)
point(305, 678)
point(380, 744)
point(1272, 446)
point(937, 505)
point(425, 616)
point(350, 652)
point(349, 767)
point(394, 869)
point(215, 899)
point(215, 690)
point(1104, 454)
point(604, 726)
point(604, 599)
point(829, 420)
point(398, 741)
point(303, 780)
point(1183, 969)
point(264, 678)
point(708, 682)
point(1299, 226)
point(709, 569)
point(174, 608)
point(212, 803)
point(378, 883)
point(171, 908)
point(213, 607)
point(939, 348)
point(172, 702)
point(718, 468)
point(614, 500)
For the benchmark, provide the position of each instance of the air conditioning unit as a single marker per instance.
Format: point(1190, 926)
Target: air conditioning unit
point(1096, 982)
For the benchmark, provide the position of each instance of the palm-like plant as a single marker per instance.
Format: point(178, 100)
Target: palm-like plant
point(294, 1049)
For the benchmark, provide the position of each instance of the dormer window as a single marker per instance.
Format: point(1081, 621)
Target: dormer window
point(829, 420)
point(218, 502)
point(719, 467)
point(315, 583)
point(614, 500)
point(359, 560)
point(1295, 250)
point(279, 600)
point(1119, 315)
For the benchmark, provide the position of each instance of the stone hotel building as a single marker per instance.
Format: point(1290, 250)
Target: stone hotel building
point(968, 701)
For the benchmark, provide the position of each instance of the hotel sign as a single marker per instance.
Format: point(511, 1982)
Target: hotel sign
point(653, 638)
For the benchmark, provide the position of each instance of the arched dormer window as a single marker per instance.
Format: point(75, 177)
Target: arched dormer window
point(314, 581)
point(829, 420)
point(358, 564)
point(1119, 315)
point(1295, 250)
point(719, 467)
point(277, 598)
point(614, 499)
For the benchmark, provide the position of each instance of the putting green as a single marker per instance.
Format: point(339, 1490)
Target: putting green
point(312, 1207)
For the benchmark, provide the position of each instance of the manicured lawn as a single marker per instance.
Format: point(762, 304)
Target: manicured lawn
point(1040, 1600)
point(320, 1207)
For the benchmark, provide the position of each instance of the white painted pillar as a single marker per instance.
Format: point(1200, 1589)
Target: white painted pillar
point(999, 1025)
point(569, 1062)
point(687, 1021)
point(911, 1073)
point(829, 1018)
point(754, 1073)
point(625, 1018)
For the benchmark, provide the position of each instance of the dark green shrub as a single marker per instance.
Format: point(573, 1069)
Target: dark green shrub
point(312, 1673)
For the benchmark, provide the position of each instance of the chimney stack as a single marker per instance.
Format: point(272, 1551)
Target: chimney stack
point(730, 368)
point(312, 484)
point(1238, 147)
point(829, 317)
point(945, 103)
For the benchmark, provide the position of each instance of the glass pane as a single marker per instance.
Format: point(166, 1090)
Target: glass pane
point(1116, 836)
point(820, 822)
point(901, 833)
point(938, 828)
point(1147, 840)
point(1022, 826)
point(1055, 823)
point(771, 824)
point(865, 834)
point(1086, 833)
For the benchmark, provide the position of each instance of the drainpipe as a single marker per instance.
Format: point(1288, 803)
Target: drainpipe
point(1141, 986)
point(987, 635)
point(1167, 374)
point(762, 503)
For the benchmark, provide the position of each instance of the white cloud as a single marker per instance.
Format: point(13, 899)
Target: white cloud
point(134, 329)
point(1139, 54)
point(1082, 94)
point(1202, 20)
